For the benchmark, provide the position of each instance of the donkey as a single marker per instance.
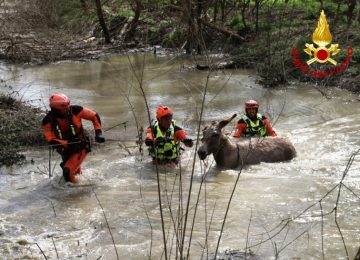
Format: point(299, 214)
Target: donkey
point(245, 152)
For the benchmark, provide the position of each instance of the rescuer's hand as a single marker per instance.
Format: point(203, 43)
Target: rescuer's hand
point(99, 137)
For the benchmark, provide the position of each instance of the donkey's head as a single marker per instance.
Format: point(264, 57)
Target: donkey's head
point(212, 138)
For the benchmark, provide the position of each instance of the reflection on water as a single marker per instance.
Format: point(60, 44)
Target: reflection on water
point(69, 221)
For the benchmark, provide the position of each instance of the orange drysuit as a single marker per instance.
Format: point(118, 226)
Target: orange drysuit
point(67, 136)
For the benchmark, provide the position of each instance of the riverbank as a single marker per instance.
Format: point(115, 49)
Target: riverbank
point(280, 72)
point(260, 37)
point(20, 129)
point(278, 69)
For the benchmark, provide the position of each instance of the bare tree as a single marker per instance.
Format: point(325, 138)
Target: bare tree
point(244, 7)
point(102, 23)
point(350, 12)
point(257, 5)
point(188, 11)
point(137, 7)
point(83, 4)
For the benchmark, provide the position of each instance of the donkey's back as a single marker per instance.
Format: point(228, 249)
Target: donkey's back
point(266, 149)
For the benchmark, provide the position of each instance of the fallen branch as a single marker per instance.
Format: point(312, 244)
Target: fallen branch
point(221, 30)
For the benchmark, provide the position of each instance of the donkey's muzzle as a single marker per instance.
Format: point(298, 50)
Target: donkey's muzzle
point(202, 154)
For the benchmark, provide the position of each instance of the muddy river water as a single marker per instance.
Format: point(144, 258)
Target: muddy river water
point(284, 210)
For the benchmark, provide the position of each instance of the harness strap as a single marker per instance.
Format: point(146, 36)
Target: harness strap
point(59, 131)
point(72, 129)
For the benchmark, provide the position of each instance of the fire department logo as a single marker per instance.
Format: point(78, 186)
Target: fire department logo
point(322, 37)
point(321, 53)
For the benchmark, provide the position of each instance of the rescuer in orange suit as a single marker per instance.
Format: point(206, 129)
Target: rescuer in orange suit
point(164, 136)
point(253, 124)
point(63, 130)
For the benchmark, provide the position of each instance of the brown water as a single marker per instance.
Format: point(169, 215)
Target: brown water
point(68, 222)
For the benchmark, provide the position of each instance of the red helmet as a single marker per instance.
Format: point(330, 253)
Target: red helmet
point(59, 101)
point(163, 111)
point(251, 104)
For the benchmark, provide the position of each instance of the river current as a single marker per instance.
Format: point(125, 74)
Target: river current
point(301, 209)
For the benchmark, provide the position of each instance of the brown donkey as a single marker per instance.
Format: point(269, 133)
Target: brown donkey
point(245, 152)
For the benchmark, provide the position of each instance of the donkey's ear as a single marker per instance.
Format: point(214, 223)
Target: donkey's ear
point(223, 123)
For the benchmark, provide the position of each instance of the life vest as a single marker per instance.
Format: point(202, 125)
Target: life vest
point(170, 149)
point(257, 128)
point(73, 131)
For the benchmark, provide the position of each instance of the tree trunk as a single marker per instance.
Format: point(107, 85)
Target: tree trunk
point(350, 11)
point(83, 4)
point(321, 5)
point(257, 15)
point(137, 7)
point(222, 30)
point(102, 21)
point(222, 6)
point(243, 10)
point(188, 12)
point(337, 14)
point(215, 10)
point(198, 40)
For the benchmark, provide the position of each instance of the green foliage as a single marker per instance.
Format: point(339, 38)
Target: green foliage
point(235, 20)
point(125, 12)
point(237, 24)
point(175, 39)
point(74, 16)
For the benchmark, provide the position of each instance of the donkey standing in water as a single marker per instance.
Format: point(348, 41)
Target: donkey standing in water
point(245, 152)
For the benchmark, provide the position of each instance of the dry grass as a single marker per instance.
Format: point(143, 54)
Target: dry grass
point(20, 128)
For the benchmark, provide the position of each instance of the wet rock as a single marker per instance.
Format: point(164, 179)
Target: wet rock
point(22, 242)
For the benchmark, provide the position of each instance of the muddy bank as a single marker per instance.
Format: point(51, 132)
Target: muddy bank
point(50, 31)
point(39, 50)
point(45, 47)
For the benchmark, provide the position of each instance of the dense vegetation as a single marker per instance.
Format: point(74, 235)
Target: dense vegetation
point(255, 33)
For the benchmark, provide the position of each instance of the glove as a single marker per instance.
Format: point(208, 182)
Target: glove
point(55, 143)
point(98, 136)
point(149, 142)
point(59, 147)
point(160, 141)
point(188, 142)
